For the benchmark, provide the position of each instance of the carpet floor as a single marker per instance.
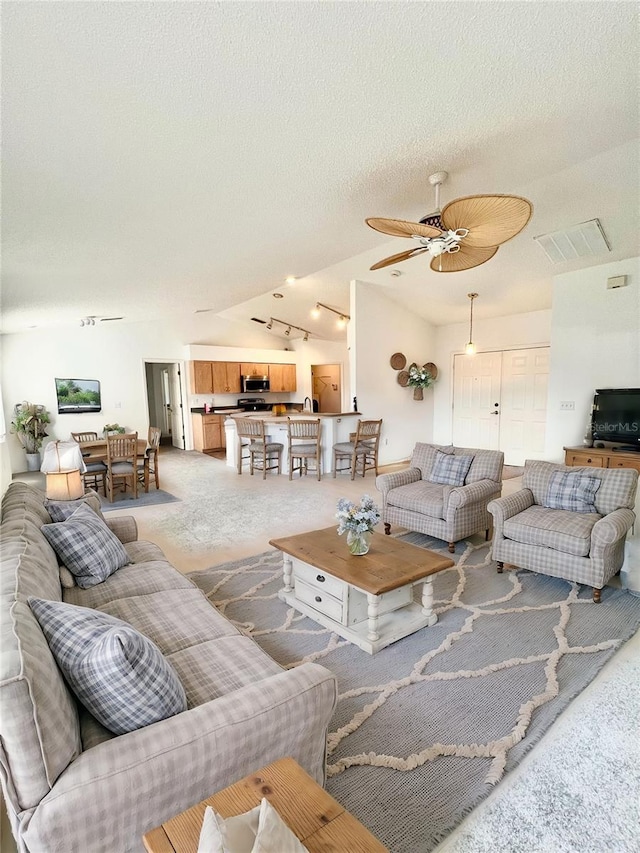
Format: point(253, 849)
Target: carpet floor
point(425, 728)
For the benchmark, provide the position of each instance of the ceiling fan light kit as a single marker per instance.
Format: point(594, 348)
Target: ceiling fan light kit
point(466, 233)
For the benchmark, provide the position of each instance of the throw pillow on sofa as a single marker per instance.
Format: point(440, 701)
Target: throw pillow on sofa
point(450, 470)
point(118, 674)
point(572, 491)
point(86, 546)
point(61, 510)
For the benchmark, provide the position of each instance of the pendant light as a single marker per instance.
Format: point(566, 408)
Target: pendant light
point(470, 348)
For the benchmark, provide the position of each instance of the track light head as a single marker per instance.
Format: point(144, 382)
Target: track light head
point(306, 336)
point(315, 312)
point(270, 324)
point(287, 331)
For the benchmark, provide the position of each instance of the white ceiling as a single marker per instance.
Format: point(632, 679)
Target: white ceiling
point(169, 157)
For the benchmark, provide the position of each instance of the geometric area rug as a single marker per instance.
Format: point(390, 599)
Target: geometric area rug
point(425, 728)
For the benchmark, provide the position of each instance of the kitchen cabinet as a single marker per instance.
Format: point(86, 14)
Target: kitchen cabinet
point(201, 377)
point(282, 377)
point(208, 432)
point(226, 377)
point(248, 369)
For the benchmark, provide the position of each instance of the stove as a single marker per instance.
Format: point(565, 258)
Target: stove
point(254, 404)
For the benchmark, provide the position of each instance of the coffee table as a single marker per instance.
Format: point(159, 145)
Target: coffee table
point(319, 821)
point(368, 600)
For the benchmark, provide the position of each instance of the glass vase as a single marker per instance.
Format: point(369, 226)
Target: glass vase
point(359, 543)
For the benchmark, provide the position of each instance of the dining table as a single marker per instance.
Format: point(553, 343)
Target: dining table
point(96, 451)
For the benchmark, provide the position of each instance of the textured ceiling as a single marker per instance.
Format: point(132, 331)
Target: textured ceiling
point(170, 157)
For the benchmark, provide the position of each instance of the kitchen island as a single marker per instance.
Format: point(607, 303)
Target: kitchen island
point(336, 426)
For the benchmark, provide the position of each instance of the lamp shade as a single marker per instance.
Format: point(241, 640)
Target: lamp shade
point(64, 485)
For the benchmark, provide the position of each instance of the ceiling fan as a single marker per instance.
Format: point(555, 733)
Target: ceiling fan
point(465, 234)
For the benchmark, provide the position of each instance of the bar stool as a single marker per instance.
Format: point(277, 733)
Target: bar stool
point(308, 432)
point(261, 451)
point(363, 450)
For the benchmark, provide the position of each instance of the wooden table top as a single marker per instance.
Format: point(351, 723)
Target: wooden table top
point(97, 450)
point(319, 821)
point(389, 564)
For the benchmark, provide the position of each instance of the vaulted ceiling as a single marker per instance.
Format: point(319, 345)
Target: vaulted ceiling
point(174, 157)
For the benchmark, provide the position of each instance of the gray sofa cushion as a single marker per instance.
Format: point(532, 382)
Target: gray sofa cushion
point(450, 469)
point(572, 491)
point(86, 546)
point(117, 673)
point(553, 528)
point(421, 497)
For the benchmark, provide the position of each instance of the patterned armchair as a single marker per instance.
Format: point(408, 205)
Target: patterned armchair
point(445, 498)
point(566, 522)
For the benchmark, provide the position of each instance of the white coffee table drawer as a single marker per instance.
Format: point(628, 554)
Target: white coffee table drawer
point(319, 600)
point(327, 584)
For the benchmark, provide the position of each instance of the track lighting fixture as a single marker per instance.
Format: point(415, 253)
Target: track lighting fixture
point(342, 316)
point(290, 326)
point(88, 321)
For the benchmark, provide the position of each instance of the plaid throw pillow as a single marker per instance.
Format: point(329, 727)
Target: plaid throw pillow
point(572, 491)
point(61, 510)
point(86, 546)
point(119, 675)
point(449, 469)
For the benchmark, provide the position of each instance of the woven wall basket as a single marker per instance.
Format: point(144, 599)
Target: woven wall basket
point(398, 361)
point(403, 378)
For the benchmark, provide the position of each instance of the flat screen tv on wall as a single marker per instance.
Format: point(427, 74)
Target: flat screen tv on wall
point(78, 395)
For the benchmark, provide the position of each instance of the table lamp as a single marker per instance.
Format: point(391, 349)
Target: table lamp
point(63, 483)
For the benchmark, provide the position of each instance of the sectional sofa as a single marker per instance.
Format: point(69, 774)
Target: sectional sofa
point(71, 785)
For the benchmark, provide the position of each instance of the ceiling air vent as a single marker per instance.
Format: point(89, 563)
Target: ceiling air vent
point(579, 241)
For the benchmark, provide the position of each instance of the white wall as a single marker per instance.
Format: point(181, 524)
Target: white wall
point(595, 343)
point(516, 330)
point(383, 328)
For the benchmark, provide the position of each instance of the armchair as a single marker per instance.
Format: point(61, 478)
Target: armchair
point(585, 546)
point(420, 499)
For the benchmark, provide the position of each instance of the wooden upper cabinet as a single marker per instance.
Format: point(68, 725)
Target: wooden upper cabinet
point(226, 377)
point(282, 377)
point(248, 369)
point(202, 377)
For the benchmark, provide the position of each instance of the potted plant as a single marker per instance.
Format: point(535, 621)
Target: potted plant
point(419, 379)
point(112, 429)
point(29, 425)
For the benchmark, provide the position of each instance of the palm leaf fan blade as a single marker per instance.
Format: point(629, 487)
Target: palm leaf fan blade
point(396, 259)
point(402, 228)
point(490, 219)
point(467, 258)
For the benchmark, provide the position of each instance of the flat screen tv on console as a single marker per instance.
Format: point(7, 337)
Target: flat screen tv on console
point(616, 416)
point(78, 395)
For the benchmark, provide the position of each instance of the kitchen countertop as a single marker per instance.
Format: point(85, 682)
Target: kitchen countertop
point(277, 419)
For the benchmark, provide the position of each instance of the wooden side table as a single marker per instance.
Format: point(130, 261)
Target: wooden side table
point(319, 821)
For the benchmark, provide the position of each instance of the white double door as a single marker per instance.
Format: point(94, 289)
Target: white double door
point(500, 402)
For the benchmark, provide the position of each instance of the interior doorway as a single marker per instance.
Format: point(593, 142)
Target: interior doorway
point(326, 388)
point(500, 402)
point(164, 400)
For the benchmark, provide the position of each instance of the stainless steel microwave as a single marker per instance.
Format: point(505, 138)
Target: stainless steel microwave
point(252, 384)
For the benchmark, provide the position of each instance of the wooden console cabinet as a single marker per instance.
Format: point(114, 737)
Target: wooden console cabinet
point(601, 457)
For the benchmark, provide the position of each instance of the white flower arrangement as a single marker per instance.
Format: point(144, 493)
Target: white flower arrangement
point(419, 377)
point(358, 518)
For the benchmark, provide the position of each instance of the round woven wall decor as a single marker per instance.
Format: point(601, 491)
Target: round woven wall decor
point(398, 361)
point(433, 370)
point(403, 378)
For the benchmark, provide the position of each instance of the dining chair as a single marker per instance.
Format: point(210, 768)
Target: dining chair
point(149, 463)
point(94, 470)
point(122, 456)
point(304, 444)
point(363, 450)
point(261, 451)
